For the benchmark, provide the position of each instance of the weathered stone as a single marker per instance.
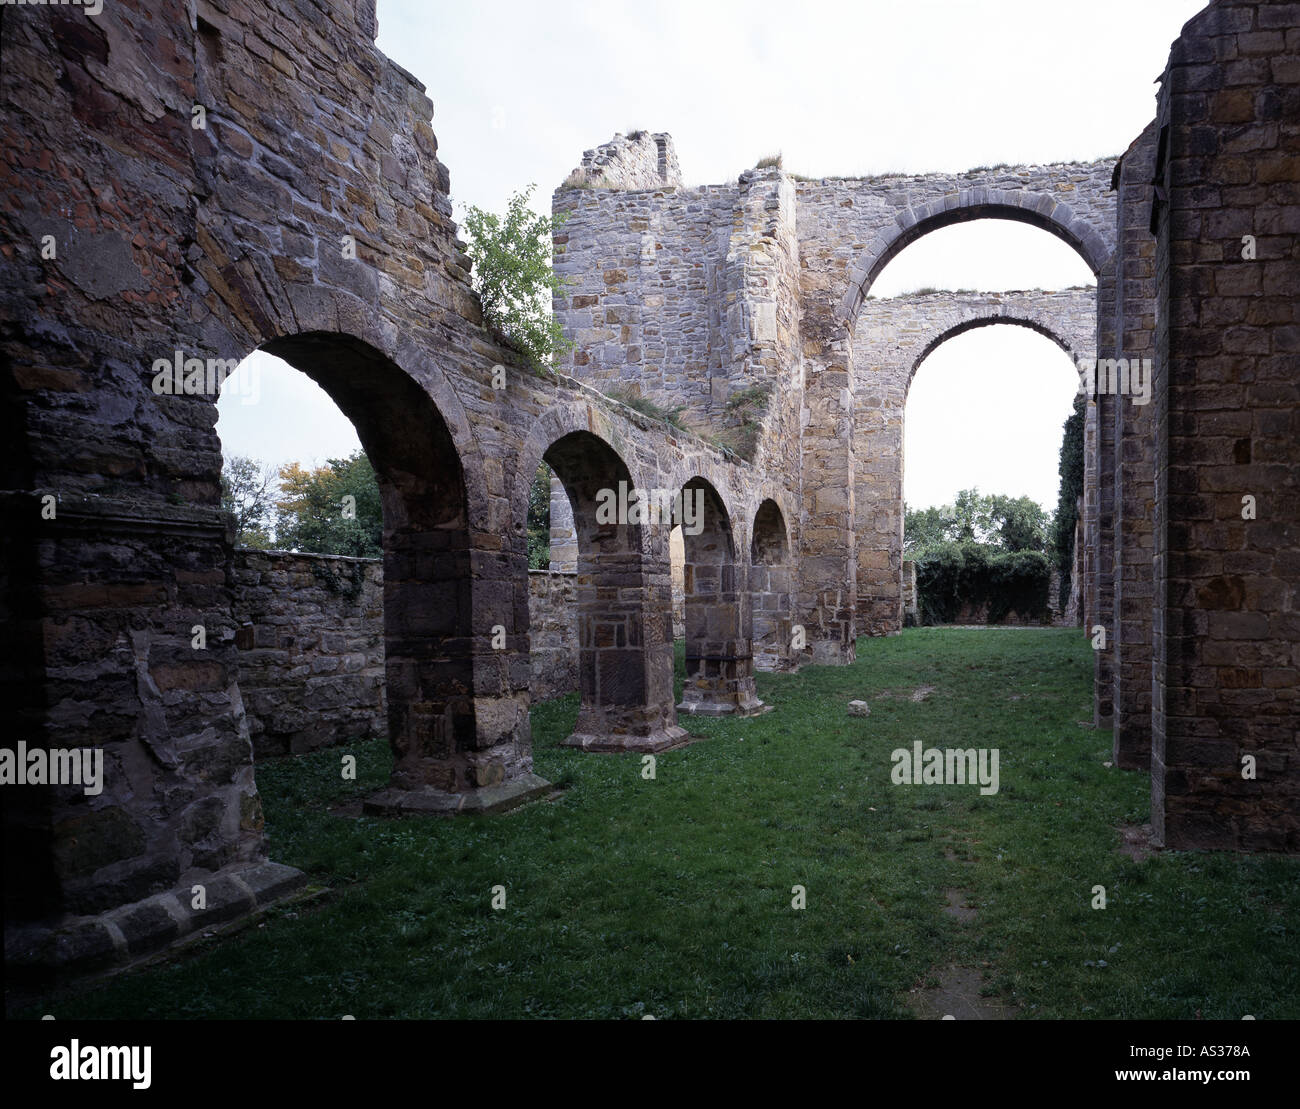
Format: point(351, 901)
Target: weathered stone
point(744, 303)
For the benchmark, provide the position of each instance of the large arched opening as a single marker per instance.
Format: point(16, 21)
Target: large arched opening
point(1039, 210)
point(894, 335)
point(1009, 495)
point(719, 677)
point(307, 569)
point(624, 630)
point(438, 635)
point(769, 589)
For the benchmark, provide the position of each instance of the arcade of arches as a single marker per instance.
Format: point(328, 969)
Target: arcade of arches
point(186, 245)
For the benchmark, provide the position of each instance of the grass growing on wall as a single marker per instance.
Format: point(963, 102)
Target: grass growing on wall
point(672, 897)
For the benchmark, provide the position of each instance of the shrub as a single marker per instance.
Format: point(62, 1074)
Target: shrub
point(513, 277)
point(746, 407)
point(953, 575)
point(647, 407)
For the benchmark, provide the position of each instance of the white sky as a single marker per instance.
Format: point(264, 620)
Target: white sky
point(520, 88)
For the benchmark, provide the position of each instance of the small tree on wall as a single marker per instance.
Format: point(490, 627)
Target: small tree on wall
point(513, 277)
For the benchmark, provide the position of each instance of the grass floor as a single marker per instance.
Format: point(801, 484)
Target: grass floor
point(672, 896)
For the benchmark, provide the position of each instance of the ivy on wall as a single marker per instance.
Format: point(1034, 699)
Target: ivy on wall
point(951, 577)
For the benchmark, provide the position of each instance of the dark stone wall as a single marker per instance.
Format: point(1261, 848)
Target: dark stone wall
point(129, 236)
point(1135, 444)
point(1228, 412)
point(310, 633)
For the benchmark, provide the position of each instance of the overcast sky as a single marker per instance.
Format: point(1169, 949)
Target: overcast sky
point(521, 88)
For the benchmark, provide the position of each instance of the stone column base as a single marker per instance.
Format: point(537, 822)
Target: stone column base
point(110, 941)
point(750, 707)
point(827, 653)
point(662, 740)
point(393, 801)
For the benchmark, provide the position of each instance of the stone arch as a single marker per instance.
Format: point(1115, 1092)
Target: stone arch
point(449, 735)
point(623, 604)
point(893, 338)
point(769, 588)
point(554, 424)
point(1035, 208)
point(1040, 327)
point(719, 645)
point(295, 313)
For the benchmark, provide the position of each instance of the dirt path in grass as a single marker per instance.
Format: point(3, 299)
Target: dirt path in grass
point(957, 996)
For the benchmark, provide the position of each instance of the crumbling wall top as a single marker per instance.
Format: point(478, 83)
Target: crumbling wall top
point(640, 160)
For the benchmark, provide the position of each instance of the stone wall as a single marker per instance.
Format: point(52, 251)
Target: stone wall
point(1134, 461)
point(638, 160)
point(310, 633)
point(553, 632)
point(310, 630)
point(646, 279)
point(1227, 415)
point(979, 615)
point(176, 242)
point(911, 599)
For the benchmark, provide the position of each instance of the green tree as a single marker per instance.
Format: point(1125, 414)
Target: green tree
point(247, 487)
point(513, 277)
point(1019, 523)
point(333, 509)
point(925, 527)
point(539, 520)
point(1067, 511)
point(970, 518)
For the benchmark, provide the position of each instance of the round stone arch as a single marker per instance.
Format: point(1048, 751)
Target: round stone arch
point(1047, 329)
point(770, 586)
point(719, 644)
point(622, 591)
point(1038, 209)
point(879, 504)
point(554, 424)
point(456, 725)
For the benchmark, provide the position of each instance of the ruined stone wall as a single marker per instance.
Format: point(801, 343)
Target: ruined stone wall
point(757, 287)
point(688, 297)
point(638, 160)
point(175, 241)
point(645, 274)
point(1227, 412)
point(1135, 447)
point(310, 633)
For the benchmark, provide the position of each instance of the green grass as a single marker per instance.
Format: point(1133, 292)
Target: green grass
point(672, 897)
